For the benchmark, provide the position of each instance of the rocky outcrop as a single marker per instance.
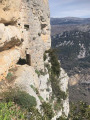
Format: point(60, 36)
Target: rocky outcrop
point(10, 37)
point(40, 87)
point(35, 19)
point(25, 24)
point(24, 38)
point(7, 60)
point(9, 11)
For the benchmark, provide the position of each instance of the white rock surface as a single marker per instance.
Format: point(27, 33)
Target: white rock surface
point(26, 77)
point(8, 32)
point(43, 86)
point(64, 80)
point(64, 87)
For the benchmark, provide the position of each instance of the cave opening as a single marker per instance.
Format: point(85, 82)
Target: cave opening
point(22, 61)
point(25, 61)
point(26, 27)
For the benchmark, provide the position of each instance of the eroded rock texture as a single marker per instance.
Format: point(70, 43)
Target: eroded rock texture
point(35, 22)
point(24, 37)
point(24, 28)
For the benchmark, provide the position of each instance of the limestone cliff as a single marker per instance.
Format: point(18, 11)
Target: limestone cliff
point(24, 29)
point(24, 37)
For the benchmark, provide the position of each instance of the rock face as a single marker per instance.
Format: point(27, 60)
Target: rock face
point(9, 11)
point(24, 38)
point(10, 37)
point(25, 24)
point(7, 60)
point(35, 21)
point(28, 80)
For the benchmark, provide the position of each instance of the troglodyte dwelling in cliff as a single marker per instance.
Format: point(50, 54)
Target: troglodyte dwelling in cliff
point(25, 36)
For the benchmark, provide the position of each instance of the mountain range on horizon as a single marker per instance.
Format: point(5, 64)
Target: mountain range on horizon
point(60, 25)
point(69, 20)
point(72, 17)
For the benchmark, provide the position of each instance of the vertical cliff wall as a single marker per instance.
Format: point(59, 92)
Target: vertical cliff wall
point(24, 33)
point(35, 21)
point(24, 38)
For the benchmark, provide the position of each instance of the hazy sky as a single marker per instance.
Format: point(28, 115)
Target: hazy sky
point(70, 8)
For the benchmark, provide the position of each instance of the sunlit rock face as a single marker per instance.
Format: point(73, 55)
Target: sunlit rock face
point(35, 22)
point(25, 36)
point(25, 24)
point(9, 11)
point(28, 80)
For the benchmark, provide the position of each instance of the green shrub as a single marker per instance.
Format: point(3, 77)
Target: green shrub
point(48, 89)
point(25, 100)
point(38, 72)
point(47, 109)
point(62, 118)
point(10, 111)
point(42, 72)
point(10, 77)
point(44, 56)
point(34, 89)
point(56, 89)
point(54, 72)
point(48, 67)
point(34, 114)
point(41, 99)
point(57, 106)
point(79, 111)
point(55, 65)
point(19, 97)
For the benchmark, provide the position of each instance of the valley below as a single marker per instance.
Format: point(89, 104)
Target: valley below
point(71, 40)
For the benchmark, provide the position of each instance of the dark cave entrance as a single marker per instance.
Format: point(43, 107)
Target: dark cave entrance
point(26, 27)
point(25, 61)
point(22, 61)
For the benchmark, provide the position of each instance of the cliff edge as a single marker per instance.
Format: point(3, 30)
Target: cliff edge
point(25, 59)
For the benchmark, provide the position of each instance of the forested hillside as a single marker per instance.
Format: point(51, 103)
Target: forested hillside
point(73, 49)
point(71, 40)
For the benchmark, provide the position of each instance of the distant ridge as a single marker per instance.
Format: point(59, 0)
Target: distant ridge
point(69, 20)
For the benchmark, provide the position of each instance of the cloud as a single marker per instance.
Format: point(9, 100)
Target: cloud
point(75, 8)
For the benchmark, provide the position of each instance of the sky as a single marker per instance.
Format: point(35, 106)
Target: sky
point(70, 8)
